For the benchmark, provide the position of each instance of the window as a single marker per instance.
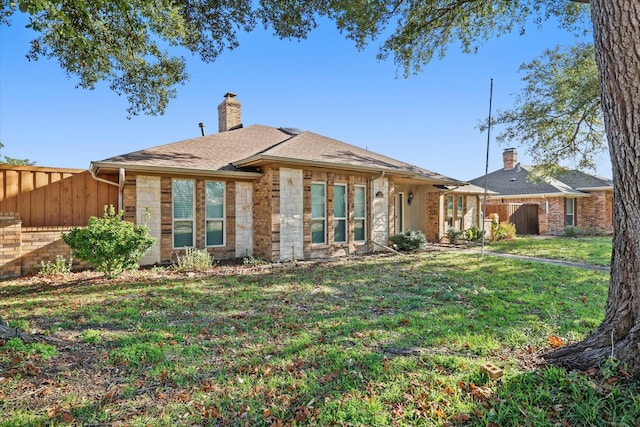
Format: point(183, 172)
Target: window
point(569, 212)
point(318, 213)
point(450, 211)
point(214, 208)
point(459, 211)
point(182, 193)
point(360, 213)
point(339, 213)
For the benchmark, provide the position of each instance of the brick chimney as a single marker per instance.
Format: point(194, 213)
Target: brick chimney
point(229, 113)
point(510, 158)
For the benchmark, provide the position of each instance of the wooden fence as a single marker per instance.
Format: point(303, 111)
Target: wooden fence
point(53, 197)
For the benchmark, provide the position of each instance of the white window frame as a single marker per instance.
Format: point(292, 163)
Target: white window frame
point(322, 218)
point(362, 218)
point(460, 213)
point(341, 218)
point(193, 212)
point(222, 219)
point(450, 211)
point(570, 201)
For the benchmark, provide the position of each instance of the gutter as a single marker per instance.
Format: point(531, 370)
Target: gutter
point(164, 170)
point(120, 184)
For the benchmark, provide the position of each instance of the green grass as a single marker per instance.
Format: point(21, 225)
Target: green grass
point(374, 342)
point(590, 250)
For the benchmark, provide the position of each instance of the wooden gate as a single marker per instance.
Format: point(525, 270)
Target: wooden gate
point(525, 218)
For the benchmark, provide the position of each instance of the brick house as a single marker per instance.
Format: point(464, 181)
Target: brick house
point(276, 193)
point(574, 198)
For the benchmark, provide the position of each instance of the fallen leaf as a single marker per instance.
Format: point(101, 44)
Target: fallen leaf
point(555, 341)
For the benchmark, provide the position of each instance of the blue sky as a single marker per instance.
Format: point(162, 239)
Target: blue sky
point(322, 84)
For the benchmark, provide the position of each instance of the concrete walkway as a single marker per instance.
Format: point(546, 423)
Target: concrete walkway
point(521, 257)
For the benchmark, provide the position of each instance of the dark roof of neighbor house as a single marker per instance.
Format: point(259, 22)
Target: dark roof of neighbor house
point(517, 182)
point(243, 150)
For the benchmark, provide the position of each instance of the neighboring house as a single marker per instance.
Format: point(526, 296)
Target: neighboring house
point(277, 193)
point(546, 207)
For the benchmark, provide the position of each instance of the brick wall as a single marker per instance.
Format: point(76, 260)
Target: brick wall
point(263, 210)
point(11, 238)
point(433, 217)
point(596, 212)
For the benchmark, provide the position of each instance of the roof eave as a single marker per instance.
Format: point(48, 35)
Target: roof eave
point(536, 195)
point(96, 166)
point(262, 159)
point(605, 188)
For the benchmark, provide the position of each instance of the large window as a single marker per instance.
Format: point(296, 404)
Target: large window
point(360, 212)
point(450, 211)
point(183, 209)
point(339, 213)
point(318, 213)
point(569, 212)
point(459, 212)
point(214, 208)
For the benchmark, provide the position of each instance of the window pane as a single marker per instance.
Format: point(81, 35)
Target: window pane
point(182, 234)
point(359, 230)
point(317, 231)
point(340, 231)
point(339, 201)
point(215, 200)
point(317, 201)
point(569, 206)
point(182, 199)
point(359, 202)
point(215, 233)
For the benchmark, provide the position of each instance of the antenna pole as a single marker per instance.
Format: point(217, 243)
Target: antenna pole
point(486, 171)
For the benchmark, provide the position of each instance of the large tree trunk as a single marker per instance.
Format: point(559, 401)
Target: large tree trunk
point(616, 26)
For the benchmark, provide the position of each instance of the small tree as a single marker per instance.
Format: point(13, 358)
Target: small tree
point(110, 244)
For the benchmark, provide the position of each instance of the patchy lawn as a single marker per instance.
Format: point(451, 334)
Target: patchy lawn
point(590, 250)
point(370, 342)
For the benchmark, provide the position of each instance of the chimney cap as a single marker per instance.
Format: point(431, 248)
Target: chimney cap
point(229, 95)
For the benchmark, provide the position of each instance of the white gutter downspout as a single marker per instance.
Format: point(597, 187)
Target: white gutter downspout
point(119, 184)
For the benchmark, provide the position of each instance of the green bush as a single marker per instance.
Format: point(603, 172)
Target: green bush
point(411, 241)
point(194, 260)
point(571, 231)
point(453, 235)
point(503, 231)
point(60, 266)
point(473, 234)
point(110, 244)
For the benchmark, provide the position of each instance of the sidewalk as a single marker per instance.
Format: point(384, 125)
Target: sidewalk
point(477, 250)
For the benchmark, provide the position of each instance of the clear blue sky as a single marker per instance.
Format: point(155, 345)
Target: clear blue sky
point(322, 84)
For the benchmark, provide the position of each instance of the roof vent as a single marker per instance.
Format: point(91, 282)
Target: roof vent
point(291, 131)
point(513, 179)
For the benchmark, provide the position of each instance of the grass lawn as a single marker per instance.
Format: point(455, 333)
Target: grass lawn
point(590, 250)
point(379, 341)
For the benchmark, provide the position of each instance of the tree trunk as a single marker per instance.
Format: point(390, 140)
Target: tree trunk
point(616, 25)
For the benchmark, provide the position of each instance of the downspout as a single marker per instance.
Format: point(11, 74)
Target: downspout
point(119, 184)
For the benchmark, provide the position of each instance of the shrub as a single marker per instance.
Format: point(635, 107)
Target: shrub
point(473, 234)
point(60, 266)
point(503, 231)
point(453, 235)
point(110, 244)
point(412, 241)
point(194, 260)
point(571, 231)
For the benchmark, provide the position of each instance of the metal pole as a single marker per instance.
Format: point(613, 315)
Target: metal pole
point(486, 171)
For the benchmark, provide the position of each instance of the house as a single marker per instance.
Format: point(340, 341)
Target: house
point(544, 207)
point(277, 193)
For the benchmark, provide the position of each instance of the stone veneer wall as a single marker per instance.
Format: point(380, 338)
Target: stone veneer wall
point(244, 219)
point(380, 212)
point(470, 217)
point(148, 212)
point(291, 214)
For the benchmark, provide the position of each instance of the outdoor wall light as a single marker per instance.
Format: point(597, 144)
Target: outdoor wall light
point(379, 194)
point(410, 197)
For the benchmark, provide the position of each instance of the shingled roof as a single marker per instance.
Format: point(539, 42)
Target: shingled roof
point(517, 182)
point(242, 151)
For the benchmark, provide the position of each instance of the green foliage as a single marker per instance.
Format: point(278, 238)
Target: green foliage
point(131, 44)
point(503, 231)
point(16, 345)
point(558, 113)
point(411, 241)
point(91, 336)
point(13, 161)
point(571, 231)
point(194, 260)
point(60, 266)
point(453, 235)
point(110, 244)
point(254, 261)
point(590, 250)
point(473, 234)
